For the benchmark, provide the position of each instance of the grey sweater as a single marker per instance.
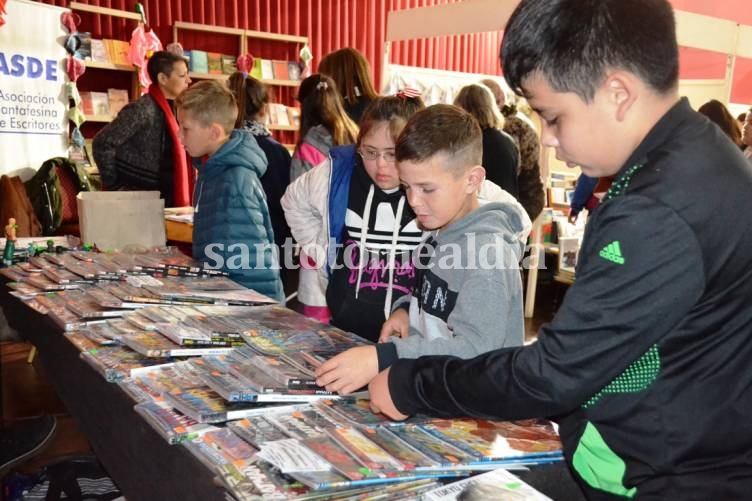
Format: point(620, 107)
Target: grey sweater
point(467, 297)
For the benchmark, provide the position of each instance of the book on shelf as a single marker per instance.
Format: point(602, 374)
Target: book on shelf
point(256, 70)
point(117, 51)
point(278, 114)
point(199, 62)
point(293, 115)
point(99, 51)
point(293, 70)
point(117, 99)
point(229, 64)
point(94, 103)
point(87, 104)
point(281, 71)
point(267, 69)
point(214, 63)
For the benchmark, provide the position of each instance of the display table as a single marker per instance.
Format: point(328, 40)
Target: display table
point(140, 462)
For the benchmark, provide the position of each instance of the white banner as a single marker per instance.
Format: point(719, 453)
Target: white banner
point(33, 122)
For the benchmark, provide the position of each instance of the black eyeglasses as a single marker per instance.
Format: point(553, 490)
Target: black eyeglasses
point(371, 154)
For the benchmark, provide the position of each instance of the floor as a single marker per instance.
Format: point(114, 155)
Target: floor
point(26, 391)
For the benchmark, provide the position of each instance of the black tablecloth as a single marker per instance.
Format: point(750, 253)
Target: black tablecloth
point(139, 460)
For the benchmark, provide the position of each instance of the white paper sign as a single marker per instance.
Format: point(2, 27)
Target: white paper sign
point(33, 121)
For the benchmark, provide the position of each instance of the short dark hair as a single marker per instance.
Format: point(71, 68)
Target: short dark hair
point(163, 61)
point(393, 110)
point(572, 43)
point(441, 129)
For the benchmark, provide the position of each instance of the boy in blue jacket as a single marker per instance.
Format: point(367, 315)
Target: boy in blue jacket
point(231, 226)
point(646, 365)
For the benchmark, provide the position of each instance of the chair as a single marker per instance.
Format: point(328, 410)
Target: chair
point(69, 188)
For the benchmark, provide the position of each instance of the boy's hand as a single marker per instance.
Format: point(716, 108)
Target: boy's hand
point(349, 371)
point(398, 324)
point(381, 399)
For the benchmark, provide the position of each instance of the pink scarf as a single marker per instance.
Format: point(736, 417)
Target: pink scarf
point(184, 179)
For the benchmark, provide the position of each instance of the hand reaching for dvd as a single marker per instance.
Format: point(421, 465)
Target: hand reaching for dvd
point(398, 324)
point(381, 399)
point(349, 371)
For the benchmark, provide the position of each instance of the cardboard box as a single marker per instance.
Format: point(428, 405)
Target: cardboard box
point(116, 219)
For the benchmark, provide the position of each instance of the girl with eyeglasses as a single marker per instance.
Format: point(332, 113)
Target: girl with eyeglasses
point(355, 227)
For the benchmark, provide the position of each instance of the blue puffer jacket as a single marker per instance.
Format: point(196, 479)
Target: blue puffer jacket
point(231, 225)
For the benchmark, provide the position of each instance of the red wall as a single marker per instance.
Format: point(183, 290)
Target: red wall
point(331, 24)
point(699, 64)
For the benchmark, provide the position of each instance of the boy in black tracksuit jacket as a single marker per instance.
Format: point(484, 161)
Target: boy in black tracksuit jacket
point(647, 363)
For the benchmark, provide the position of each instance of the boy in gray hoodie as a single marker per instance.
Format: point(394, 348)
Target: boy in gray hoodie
point(467, 297)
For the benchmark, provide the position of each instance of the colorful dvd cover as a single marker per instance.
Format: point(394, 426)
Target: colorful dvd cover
point(365, 451)
point(256, 430)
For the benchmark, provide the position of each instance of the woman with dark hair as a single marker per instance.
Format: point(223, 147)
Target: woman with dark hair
point(323, 124)
point(717, 112)
point(253, 107)
point(351, 72)
point(353, 201)
point(140, 149)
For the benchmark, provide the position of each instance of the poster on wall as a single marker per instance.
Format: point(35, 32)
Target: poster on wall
point(33, 124)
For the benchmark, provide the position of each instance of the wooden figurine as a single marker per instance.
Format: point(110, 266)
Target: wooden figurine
point(10, 241)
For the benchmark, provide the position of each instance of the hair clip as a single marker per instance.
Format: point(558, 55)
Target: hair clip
point(408, 93)
point(322, 85)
